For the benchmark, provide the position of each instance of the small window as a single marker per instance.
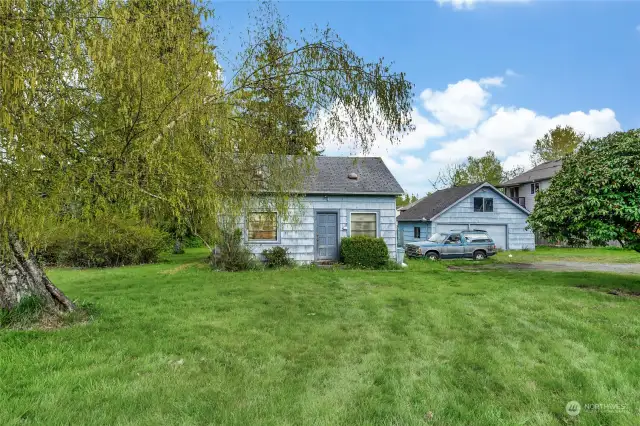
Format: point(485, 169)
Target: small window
point(454, 239)
point(481, 204)
point(416, 232)
point(535, 187)
point(488, 205)
point(262, 226)
point(364, 224)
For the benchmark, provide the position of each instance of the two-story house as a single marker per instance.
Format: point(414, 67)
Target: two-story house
point(523, 188)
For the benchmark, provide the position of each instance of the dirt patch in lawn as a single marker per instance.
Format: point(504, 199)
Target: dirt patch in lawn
point(619, 268)
point(614, 292)
point(181, 268)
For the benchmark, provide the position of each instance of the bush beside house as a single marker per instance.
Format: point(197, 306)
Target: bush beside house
point(365, 252)
point(277, 257)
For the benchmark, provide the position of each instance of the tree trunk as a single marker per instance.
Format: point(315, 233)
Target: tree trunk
point(21, 276)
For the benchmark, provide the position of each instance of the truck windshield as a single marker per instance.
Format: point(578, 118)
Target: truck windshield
point(437, 238)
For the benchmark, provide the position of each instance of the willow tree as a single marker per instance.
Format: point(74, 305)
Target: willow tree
point(119, 107)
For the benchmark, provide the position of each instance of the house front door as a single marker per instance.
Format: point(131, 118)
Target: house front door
point(326, 236)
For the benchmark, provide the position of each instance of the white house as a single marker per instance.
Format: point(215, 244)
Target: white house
point(340, 197)
point(523, 188)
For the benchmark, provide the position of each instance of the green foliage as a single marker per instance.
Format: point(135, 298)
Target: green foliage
point(275, 111)
point(405, 199)
point(119, 105)
point(480, 169)
point(475, 170)
point(556, 144)
point(596, 195)
point(364, 251)
point(191, 241)
point(231, 254)
point(105, 242)
point(277, 257)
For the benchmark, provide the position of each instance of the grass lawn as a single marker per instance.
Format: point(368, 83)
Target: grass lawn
point(176, 343)
point(565, 254)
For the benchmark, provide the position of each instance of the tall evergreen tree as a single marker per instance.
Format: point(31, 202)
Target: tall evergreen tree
point(275, 111)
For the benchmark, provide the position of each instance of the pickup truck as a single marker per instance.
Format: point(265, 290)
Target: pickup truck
point(475, 244)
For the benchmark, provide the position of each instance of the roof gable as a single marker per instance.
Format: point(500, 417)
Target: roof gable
point(436, 204)
point(432, 205)
point(540, 172)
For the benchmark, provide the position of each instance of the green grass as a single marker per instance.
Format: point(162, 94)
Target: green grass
point(178, 344)
point(555, 254)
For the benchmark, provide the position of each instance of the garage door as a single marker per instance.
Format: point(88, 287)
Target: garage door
point(497, 232)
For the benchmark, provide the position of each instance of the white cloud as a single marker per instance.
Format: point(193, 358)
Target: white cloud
point(414, 174)
point(513, 130)
point(519, 159)
point(469, 4)
point(464, 113)
point(511, 73)
point(460, 105)
point(492, 81)
point(416, 140)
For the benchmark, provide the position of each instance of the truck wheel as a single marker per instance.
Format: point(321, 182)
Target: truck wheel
point(479, 255)
point(432, 255)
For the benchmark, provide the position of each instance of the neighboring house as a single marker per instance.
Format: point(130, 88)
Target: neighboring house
point(523, 188)
point(475, 206)
point(341, 197)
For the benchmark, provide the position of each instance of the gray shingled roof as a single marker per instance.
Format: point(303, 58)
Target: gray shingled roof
point(540, 172)
point(431, 205)
point(331, 176)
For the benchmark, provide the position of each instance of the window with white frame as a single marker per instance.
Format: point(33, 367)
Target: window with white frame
point(535, 187)
point(262, 226)
point(364, 224)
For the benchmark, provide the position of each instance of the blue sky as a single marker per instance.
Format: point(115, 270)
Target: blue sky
point(488, 74)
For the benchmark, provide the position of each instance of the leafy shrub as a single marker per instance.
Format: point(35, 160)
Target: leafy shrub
point(191, 241)
point(107, 242)
point(231, 255)
point(277, 257)
point(363, 251)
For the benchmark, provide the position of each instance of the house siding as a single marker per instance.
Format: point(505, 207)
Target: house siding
point(504, 213)
point(297, 232)
point(405, 231)
point(529, 198)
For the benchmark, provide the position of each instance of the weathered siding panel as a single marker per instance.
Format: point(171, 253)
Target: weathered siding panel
point(529, 198)
point(406, 231)
point(504, 212)
point(297, 233)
